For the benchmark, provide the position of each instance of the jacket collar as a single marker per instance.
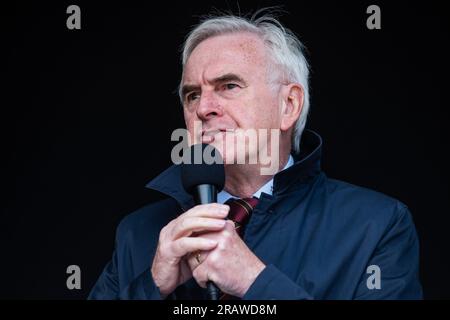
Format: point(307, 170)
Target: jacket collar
point(307, 164)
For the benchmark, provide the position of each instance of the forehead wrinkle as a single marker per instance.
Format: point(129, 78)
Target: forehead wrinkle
point(238, 49)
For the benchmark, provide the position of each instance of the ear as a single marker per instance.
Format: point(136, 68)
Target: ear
point(292, 104)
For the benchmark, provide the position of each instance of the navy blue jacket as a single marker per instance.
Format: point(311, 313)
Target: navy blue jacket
point(317, 237)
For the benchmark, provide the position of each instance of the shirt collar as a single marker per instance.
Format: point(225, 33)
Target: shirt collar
point(223, 196)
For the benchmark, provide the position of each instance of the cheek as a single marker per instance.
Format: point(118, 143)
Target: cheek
point(245, 113)
point(264, 109)
point(189, 119)
point(261, 116)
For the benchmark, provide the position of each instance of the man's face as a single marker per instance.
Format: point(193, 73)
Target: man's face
point(226, 87)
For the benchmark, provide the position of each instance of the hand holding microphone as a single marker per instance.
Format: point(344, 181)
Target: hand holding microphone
point(203, 181)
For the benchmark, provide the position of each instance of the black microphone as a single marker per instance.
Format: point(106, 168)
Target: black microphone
point(204, 177)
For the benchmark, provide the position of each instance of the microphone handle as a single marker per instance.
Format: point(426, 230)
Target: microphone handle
point(207, 193)
point(213, 291)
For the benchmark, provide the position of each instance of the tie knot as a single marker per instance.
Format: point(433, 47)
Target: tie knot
point(240, 211)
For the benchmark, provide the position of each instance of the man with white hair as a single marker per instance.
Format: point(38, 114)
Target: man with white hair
point(306, 236)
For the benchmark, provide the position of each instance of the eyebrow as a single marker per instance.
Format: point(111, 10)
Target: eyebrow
point(224, 78)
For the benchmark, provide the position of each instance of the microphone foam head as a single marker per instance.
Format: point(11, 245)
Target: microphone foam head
point(205, 167)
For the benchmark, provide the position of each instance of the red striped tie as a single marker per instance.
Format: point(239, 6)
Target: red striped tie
point(240, 211)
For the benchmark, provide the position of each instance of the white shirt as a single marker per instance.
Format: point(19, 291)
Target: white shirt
point(223, 196)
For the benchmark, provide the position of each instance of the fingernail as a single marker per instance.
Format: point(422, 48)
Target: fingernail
point(221, 223)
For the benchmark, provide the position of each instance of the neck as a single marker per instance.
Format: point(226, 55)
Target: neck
point(243, 180)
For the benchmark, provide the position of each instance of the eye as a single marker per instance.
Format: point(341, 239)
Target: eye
point(192, 96)
point(231, 86)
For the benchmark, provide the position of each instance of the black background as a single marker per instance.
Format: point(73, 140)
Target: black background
point(86, 118)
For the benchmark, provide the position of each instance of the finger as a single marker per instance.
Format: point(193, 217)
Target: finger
point(211, 210)
point(200, 275)
point(192, 260)
point(187, 225)
point(230, 225)
point(187, 245)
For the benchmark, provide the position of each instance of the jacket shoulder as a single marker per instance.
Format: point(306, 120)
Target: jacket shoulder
point(366, 195)
point(361, 202)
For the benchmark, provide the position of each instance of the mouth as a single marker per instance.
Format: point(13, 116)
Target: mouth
point(209, 136)
point(213, 132)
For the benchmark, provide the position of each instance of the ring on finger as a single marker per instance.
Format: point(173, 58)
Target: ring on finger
point(197, 257)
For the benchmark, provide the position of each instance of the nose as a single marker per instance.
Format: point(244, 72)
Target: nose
point(208, 107)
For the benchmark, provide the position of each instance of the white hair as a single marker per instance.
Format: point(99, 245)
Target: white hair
point(284, 48)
